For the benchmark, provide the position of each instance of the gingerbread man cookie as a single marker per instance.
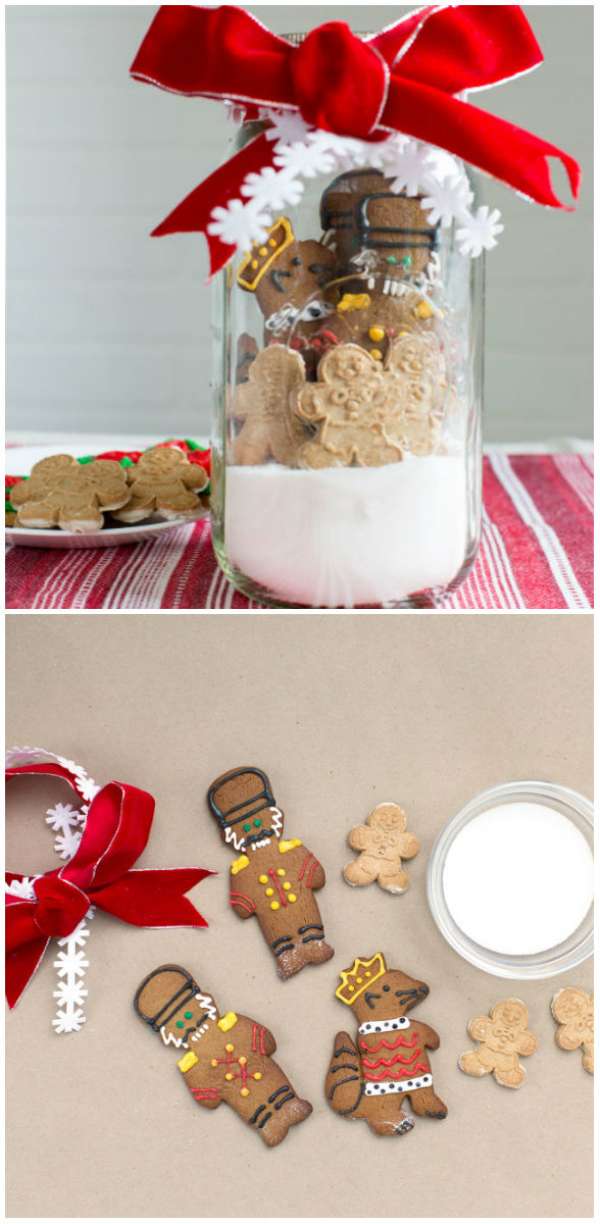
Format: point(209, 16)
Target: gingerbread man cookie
point(371, 1077)
point(73, 496)
point(224, 1057)
point(369, 413)
point(361, 212)
point(502, 1037)
point(272, 879)
point(289, 280)
point(163, 483)
point(383, 842)
point(573, 1010)
point(264, 404)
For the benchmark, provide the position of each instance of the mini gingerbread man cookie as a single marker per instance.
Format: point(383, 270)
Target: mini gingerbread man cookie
point(264, 404)
point(73, 496)
point(502, 1037)
point(163, 483)
point(224, 1057)
point(573, 1010)
point(383, 842)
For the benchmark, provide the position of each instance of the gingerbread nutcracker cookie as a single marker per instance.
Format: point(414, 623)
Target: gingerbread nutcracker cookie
point(223, 1058)
point(272, 879)
point(371, 1078)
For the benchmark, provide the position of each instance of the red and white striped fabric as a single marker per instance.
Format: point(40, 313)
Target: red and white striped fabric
point(536, 553)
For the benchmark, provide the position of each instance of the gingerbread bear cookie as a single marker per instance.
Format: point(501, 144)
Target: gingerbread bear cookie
point(164, 484)
point(573, 1010)
point(73, 496)
point(289, 280)
point(383, 842)
point(502, 1037)
point(272, 879)
point(227, 1057)
point(264, 404)
point(370, 1078)
point(370, 413)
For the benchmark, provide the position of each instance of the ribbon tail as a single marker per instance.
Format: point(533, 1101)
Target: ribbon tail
point(509, 153)
point(194, 214)
point(153, 897)
point(25, 948)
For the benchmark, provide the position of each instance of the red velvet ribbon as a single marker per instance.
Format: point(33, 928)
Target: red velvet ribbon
point(405, 79)
point(100, 873)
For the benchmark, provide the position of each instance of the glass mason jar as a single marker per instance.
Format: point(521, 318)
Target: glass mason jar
point(348, 387)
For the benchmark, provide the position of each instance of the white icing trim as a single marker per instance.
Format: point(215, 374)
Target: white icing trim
point(385, 1087)
point(385, 1026)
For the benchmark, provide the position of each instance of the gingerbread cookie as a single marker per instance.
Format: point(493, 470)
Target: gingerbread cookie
point(227, 1056)
point(264, 404)
point(362, 213)
point(502, 1037)
point(284, 273)
point(165, 484)
point(371, 1077)
point(573, 1010)
point(272, 879)
point(368, 412)
point(64, 493)
point(383, 842)
point(374, 318)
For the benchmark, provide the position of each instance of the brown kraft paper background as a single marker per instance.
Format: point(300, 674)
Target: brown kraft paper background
point(343, 713)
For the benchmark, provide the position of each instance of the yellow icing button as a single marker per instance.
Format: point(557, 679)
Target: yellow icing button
point(424, 310)
point(242, 1060)
point(292, 897)
point(255, 263)
point(274, 905)
point(359, 980)
point(269, 892)
point(353, 301)
point(244, 1092)
point(272, 242)
point(239, 864)
point(287, 886)
point(227, 1022)
point(229, 1048)
point(281, 871)
point(284, 846)
point(263, 879)
point(257, 1075)
point(214, 1062)
point(376, 334)
point(263, 251)
point(228, 1075)
point(188, 1061)
point(377, 354)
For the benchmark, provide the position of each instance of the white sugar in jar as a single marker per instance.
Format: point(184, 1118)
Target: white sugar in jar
point(511, 880)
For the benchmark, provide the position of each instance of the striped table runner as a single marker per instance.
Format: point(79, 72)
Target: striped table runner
point(536, 553)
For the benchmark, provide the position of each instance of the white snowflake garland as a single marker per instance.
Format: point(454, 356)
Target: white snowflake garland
point(68, 824)
point(302, 153)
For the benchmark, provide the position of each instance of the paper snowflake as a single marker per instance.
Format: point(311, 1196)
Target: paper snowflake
point(272, 189)
point(87, 788)
point(69, 1020)
point(408, 168)
point(67, 843)
point(307, 159)
point(447, 199)
point(22, 888)
point(288, 127)
point(479, 231)
point(62, 817)
point(71, 963)
point(239, 225)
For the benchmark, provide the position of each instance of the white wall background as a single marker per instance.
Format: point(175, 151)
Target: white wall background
point(109, 330)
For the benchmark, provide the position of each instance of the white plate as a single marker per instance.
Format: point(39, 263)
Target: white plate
point(19, 462)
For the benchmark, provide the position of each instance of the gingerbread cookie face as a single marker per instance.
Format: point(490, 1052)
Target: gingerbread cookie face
point(225, 1058)
point(165, 484)
point(503, 1036)
point(383, 842)
point(369, 413)
point(64, 493)
point(273, 879)
point(289, 279)
point(264, 404)
point(369, 1077)
point(374, 319)
point(573, 1010)
point(362, 213)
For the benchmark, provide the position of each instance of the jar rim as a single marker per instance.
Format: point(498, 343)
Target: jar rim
point(577, 947)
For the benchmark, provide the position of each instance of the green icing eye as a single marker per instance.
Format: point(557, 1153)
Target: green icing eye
point(179, 1024)
point(258, 822)
point(247, 827)
point(187, 1015)
point(407, 261)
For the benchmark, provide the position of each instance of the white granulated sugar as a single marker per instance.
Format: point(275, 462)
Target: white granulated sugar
point(519, 878)
point(342, 537)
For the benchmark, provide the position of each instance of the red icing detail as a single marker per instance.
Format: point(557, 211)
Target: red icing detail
point(311, 871)
point(117, 455)
point(280, 892)
point(389, 1062)
point(304, 866)
point(390, 1045)
point(205, 1094)
point(399, 1073)
point(244, 902)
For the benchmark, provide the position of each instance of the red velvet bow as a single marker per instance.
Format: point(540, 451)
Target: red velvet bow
point(100, 873)
point(405, 79)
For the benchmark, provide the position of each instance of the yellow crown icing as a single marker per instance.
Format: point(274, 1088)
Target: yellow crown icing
point(263, 255)
point(362, 975)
